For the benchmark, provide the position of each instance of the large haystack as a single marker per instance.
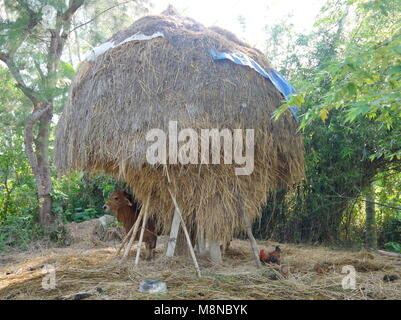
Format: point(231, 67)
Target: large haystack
point(140, 85)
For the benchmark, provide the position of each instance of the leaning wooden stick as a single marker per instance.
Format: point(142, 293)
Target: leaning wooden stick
point(191, 249)
point(133, 235)
point(252, 240)
point(144, 220)
point(127, 236)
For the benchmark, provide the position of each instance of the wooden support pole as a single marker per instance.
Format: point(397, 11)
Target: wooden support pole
point(172, 241)
point(200, 242)
point(252, 240)
point(123, 242)
point(133, 235)
point(191, 249)
point(215, 252)
point(127, 236)
point(144, 220)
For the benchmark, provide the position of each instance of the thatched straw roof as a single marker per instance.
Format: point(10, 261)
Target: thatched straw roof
point(135, 86)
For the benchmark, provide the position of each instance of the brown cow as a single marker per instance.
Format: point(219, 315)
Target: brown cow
point(126, 210)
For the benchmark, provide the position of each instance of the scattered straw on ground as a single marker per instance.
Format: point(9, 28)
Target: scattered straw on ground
point(96, 274)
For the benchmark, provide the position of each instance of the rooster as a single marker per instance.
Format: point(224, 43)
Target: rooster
point(272, 257)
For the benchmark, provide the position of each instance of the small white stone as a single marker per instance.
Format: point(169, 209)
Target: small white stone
point(152, 286)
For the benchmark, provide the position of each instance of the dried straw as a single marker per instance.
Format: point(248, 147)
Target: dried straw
point(97, 272)
point(142, 85)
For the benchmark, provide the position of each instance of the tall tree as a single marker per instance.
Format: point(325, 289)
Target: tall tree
point(37, 37)
point(28, 25)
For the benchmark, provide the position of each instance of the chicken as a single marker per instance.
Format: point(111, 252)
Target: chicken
point(272, 257)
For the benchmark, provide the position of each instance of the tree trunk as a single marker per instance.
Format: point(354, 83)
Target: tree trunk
point(7, 197)
point(42, 153)
point(371, 233)
point(39, 160)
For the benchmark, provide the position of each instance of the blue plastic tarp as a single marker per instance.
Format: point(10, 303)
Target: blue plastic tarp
point(274, 76)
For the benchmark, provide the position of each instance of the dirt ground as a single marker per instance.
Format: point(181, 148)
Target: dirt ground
point(95, 273)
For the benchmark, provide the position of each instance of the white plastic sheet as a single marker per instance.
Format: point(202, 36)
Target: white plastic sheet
point(95, 52)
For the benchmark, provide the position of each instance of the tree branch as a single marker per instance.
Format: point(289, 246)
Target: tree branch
point(73, 7)
point(7, 58)
point(59, 37)
point(32, 22)
point(99, 14)
point(31, 94)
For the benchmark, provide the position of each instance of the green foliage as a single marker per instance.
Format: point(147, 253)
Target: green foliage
point(79, 197)
point(79, 215)
point(388, 191)
point(19, 230)
point(393, 246)
point(347, 75)
point(361, 77)
point(16, 184)
point(26, 29)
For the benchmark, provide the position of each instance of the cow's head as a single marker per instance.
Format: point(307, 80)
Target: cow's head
point(117, 200)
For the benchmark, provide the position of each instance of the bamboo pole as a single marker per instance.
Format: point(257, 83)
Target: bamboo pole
point(252, 240)
point(133, 235)
point(191, 249)
point(127, 236)
point(144, 220)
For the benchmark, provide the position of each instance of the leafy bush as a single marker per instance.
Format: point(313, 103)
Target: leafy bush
point(19, 230)
point(59, 235)
point(392, 229)
point(393, 246)
point(79, 197)
point(83, 215)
